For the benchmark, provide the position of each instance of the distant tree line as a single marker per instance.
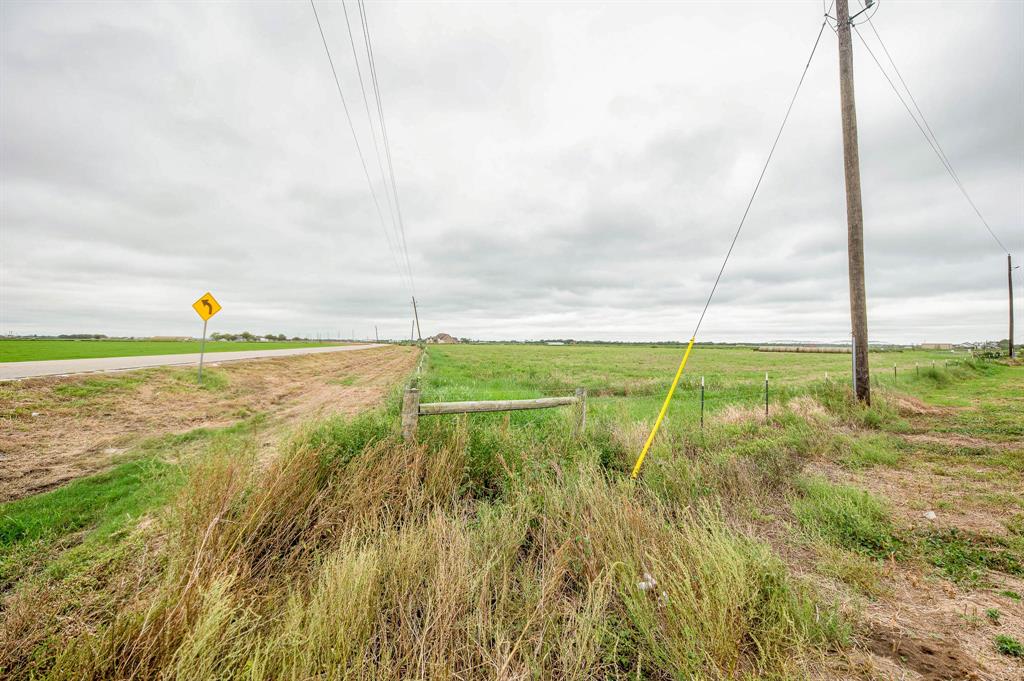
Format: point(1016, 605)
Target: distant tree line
point(63, 336)
point(250, 337)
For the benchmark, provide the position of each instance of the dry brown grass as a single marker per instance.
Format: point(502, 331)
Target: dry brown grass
point(84, 423)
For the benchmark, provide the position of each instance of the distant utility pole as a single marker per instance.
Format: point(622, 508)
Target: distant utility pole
point(1009, 281)
point(376, 335)
point(854, 211)
point(412, 331)
point(416, 316)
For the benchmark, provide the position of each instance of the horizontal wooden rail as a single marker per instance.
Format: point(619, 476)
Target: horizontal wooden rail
point(494, 405)
point(412, 409)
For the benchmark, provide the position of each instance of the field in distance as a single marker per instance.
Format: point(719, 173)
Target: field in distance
point(22, 350)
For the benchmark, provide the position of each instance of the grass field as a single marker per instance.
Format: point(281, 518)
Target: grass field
point(506, 546)
point(33, 350)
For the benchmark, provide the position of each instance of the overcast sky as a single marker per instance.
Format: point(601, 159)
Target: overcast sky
point(564, 170)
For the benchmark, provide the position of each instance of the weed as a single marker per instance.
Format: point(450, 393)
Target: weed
point(1008, 645)
point(964, 558)
point(993, 615)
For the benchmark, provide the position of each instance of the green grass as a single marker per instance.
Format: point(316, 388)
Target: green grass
point(847, 517)
point(101, 506)
point(33, 350)
point(1008, 645)
point(869, 450)
point(93, 387)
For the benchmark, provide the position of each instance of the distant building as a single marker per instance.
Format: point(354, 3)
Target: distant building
point(554, 343)
point(442, 338)
point(936, 346)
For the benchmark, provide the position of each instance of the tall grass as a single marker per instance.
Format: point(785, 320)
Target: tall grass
point(355, 555)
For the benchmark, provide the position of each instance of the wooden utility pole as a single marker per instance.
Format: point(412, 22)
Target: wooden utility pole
point(854, 212)
point(416, 316)
point(376, 334)
point(1009, 281)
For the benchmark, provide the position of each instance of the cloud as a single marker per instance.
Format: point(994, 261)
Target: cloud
point(564, 170)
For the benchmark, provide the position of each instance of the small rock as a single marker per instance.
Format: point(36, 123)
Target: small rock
point(930, 515)
point(36, 413)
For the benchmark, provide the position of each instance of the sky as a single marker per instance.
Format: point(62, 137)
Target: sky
point(563, 170)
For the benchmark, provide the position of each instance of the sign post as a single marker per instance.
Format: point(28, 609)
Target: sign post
point(205, 307)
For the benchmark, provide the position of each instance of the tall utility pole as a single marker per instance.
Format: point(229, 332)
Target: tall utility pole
point(1009, 280)
point(376, 335)
point(416, 316)
point(854, 212)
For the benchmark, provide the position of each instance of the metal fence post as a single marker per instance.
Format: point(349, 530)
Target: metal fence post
point(702, 404)
point(766, 394)
point(410, 414)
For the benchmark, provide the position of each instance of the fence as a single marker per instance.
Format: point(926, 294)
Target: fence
point(413, 409)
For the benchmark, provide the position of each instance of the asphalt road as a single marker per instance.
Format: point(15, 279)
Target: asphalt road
point(63, 367)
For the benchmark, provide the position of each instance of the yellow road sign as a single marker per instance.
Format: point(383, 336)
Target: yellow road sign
point(207, 306)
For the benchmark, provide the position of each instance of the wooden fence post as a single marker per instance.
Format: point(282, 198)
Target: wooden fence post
point(581, 405)
point(410, 414)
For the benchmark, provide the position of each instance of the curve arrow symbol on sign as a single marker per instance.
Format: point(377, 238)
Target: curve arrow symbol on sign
point(209, 308)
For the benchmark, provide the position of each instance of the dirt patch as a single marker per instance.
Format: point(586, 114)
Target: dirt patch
point(911, 406)
point(941, 631)
point(734, 414)
point(808, 408)
point(933, 660)
point(53, 430)
point(956, 440)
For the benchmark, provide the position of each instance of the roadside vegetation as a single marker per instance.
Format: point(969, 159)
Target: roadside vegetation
point(509, 546)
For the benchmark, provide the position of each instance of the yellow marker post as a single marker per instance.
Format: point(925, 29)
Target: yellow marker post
point(664, 408)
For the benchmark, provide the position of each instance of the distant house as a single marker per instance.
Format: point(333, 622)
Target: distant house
point(442, 338)
point(936, 346)
point(554, 343)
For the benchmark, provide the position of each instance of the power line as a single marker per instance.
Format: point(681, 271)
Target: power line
point(384, 132)
point(359, 150)
point(757, 186)
point(369, 118)
point(929, 135)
